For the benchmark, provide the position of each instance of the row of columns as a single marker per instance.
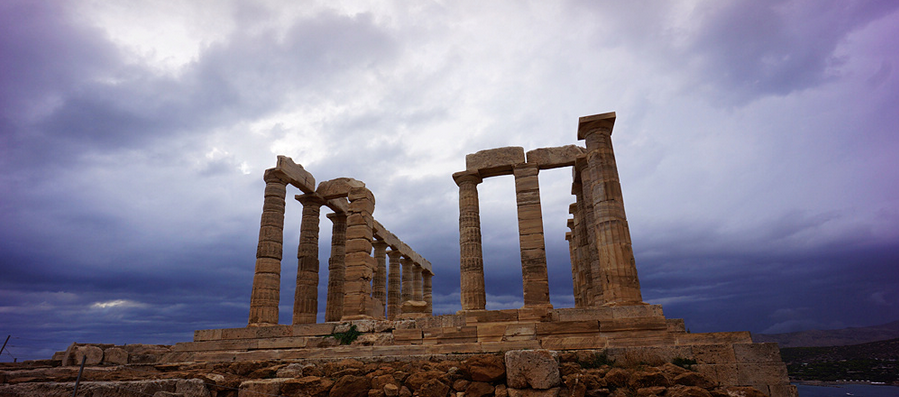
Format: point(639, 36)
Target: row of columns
point(359, 285)
point(603, 265)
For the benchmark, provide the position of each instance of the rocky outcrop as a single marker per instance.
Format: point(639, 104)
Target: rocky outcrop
point(524, 373)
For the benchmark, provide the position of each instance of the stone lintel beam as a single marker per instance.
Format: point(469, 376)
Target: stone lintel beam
point(596, 121)
point(295, 174)
point(495, 162)
point(555, 157)
point(395, 243)
point(338, 188)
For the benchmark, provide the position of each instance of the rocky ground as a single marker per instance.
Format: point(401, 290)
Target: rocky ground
point(524, 373)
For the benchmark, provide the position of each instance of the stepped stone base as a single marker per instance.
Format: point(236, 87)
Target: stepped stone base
point(628, 334)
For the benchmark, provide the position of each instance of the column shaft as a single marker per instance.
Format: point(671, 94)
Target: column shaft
point(407, 280)
point(530, 234)
point(613, 240)
point(267, 276)
point(336, 267)
point(417, 294)
point(394, 287)
point(428, 295)
point(587, 234)
point(305, 304)
point(379, 284)
point(474, 296)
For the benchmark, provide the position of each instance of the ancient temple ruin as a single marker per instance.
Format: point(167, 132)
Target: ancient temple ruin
point(357, 281)
point(390, 306)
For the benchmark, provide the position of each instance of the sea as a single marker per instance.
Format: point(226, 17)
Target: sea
point(848, 390)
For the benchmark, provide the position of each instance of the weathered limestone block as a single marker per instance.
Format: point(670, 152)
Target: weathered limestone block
point(115, 355)
point(537, 369)
point(552, 392)
point(313, 386)
point(414, 307)
point(93, 354)
point(494, 162)
point(296, 174)
point(433, 388)
point(555, 157)
point(257, 387)
point(338, 187)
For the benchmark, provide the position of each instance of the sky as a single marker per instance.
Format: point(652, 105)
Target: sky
point(756, 144)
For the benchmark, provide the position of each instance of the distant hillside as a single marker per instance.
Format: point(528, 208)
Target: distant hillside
point(835, 337)
point(873, 361)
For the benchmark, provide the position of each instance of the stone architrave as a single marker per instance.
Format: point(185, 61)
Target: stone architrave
point(360, 265)
point(407, 279)
point(267, 277)
point(426, 290)
point(586, 234)
point(417, 293)
point(394, 280)
point(613, 241)
point(530, 234)
point(474, 296)
point(379, 284)
point(305, 306)
point(336, 267)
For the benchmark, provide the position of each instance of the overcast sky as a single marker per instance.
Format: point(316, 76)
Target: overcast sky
point(756, 143)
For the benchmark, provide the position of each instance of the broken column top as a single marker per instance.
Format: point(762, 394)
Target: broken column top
point(589, 123)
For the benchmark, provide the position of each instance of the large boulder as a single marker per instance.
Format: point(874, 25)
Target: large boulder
point(485, 368)
point(536, 369)
point(350, 386)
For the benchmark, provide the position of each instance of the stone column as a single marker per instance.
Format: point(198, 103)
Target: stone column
point(379, 284)
point(305, 304)
point(613, 238)
point(580, 267)
point(530, 234)
point(393, 287)
point(576, 286)
point(426, 290)
point(417, 294)
point(407, 280)
point(360, 266)
point(474, 296)
point(267, 277)
point(336, 267)
point(587, 235)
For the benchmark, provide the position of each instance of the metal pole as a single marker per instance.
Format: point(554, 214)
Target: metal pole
point(4, 344)
point(78, 379)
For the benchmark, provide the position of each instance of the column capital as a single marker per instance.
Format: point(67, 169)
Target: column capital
point(379, 244)
point(310, 199)
point(273, 175)
point(601, 123)
point(336, 216)
point(467, 177)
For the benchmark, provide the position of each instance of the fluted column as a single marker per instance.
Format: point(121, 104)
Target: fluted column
point(580, 267)
point(417, 294)
point(473, 295)
point(360, 266)
point(336, 267)
point(613, 240)
point(267, 276)
point(530, 234)
point(426, 291)
point(379, 284)
point(586, 234)
point(305, 304)
point(576, 286)
point(394, 286)
point(407, 279)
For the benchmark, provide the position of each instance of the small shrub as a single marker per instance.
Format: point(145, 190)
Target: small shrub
point(684, 363)
point(345, 338)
